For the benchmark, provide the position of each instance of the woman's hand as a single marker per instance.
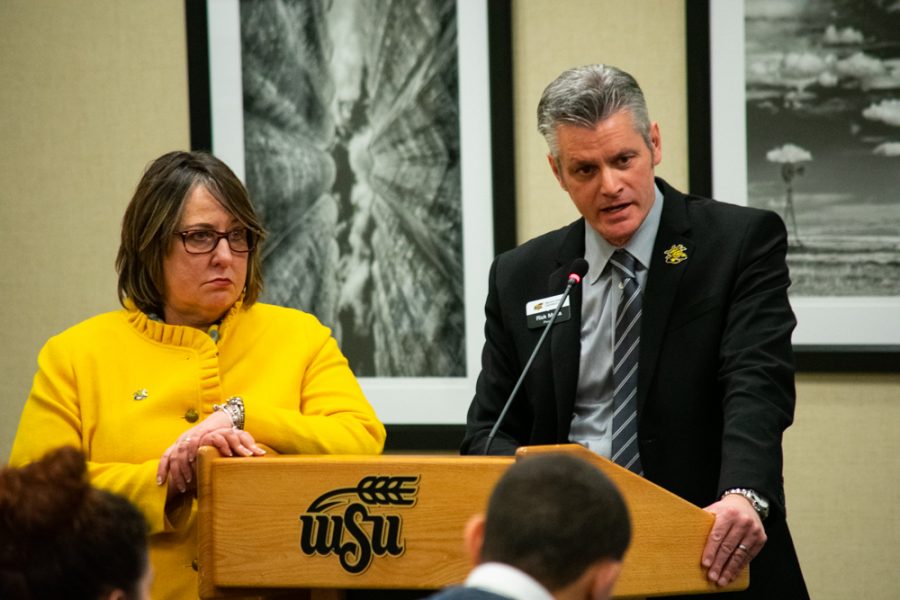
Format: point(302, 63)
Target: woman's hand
point(231, 441)
point(177, 464)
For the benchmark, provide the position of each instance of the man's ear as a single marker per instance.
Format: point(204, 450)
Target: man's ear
point(655, 143)
point(556, 173)
point(606, 573)
point(116, 594)
point(473, 536)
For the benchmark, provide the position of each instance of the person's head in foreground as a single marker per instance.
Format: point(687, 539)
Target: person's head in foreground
point(559, 520)
point(62, 538)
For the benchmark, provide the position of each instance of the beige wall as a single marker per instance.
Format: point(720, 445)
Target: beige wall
point(91, 91)
point(842, 481)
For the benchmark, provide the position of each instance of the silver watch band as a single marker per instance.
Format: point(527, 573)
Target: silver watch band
point(759, 504)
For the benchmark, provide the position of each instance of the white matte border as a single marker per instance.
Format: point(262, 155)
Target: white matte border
point(821, 321)
point(426, 400)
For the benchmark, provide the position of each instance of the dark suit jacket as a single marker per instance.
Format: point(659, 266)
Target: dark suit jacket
point(716, 374)
point(467, 593)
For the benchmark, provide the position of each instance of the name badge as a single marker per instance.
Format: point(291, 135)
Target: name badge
point(538, 312)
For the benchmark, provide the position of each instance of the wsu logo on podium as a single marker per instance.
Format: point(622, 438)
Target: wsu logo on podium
point(339, 522)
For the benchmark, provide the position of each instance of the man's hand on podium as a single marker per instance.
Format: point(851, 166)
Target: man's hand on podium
point(736, 537)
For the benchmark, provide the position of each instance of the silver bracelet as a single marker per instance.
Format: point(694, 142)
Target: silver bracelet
point(234, 406)
point(759, 504)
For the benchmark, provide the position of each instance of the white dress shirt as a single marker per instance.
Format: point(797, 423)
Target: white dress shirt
point(508, 581)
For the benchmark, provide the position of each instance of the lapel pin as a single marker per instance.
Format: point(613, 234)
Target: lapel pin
point(676, 254)
point(141, 394)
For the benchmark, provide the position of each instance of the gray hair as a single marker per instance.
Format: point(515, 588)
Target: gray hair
point(586, 95)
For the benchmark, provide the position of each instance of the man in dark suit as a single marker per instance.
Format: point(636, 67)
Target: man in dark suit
point(556, 529)
point(712, 379)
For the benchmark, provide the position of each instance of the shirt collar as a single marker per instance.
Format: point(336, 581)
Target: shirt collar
point(597, 251)
point(507, 581)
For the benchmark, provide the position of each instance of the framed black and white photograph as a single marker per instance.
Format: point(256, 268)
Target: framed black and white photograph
point(804, 113)
point(362, 130)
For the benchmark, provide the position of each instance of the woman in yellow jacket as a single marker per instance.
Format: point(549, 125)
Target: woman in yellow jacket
point(191, 360)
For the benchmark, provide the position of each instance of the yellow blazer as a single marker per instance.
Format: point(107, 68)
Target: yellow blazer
point(122, 387)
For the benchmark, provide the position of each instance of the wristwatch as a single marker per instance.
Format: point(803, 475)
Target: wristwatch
point(234, 408)
point(759, 504)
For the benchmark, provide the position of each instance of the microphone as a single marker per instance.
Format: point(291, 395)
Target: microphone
point(577, 270)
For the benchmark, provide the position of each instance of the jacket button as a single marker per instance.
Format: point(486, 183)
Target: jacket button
point(195, 564)
point(191, 415)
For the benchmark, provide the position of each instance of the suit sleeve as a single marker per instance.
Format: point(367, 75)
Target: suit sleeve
point(499, 371)
point(756, 364)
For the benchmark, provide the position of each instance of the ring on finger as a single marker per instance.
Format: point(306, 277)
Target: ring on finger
point(743, 547)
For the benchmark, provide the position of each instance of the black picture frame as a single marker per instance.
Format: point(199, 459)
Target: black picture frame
point(809, 358)
point(401, 436)
point(501, 112)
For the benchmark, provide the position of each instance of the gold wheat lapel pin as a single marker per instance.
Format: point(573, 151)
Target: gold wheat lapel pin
point(676, 254)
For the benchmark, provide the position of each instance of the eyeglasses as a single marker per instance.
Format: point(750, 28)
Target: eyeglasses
point(204, 241)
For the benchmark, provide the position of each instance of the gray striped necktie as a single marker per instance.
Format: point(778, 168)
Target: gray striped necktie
point(626, 348)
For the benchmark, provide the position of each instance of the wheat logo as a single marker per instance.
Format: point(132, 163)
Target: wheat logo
point(356, 535)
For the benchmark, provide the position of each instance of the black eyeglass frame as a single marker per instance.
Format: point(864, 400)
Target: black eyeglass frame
point(251, 239)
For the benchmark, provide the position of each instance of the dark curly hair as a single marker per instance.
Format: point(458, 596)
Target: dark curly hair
point(62, 538)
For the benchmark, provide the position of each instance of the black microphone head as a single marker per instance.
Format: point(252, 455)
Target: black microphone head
point(577, 270)
point(579, 267)
point(572, 274)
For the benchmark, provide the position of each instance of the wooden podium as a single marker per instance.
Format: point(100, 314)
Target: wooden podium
point(331, 523)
